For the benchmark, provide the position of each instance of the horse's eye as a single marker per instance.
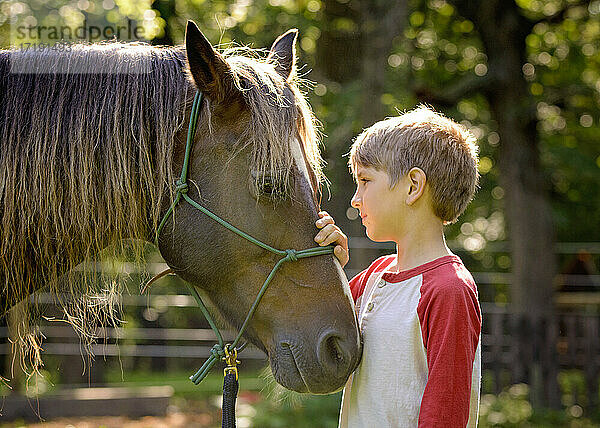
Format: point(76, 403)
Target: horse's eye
point(271, 188)
point(267, 187)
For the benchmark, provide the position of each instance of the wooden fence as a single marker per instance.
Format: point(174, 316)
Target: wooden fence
point(517, 350)
point(513, 350)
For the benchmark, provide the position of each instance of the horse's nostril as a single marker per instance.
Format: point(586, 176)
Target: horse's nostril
point(335, 349)
point(333, 356)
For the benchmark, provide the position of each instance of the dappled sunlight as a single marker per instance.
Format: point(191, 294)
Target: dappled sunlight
point(525, 81)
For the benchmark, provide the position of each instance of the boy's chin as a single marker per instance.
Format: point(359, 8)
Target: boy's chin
point(374, 237)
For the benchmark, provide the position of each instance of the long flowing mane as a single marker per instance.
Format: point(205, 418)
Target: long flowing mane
point(83, 154)
point(87, 152)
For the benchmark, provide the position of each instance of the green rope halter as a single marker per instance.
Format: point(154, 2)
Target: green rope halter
point(220, 350)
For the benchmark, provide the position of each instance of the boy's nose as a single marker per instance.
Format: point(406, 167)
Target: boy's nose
point(355, 201)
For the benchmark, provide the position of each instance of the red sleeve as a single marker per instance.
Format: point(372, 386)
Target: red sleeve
point(450, 325)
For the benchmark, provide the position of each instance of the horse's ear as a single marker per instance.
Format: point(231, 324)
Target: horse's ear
point(208, 67)
point(283, 52)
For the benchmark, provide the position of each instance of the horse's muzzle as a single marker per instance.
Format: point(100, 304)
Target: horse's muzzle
point(321, 368)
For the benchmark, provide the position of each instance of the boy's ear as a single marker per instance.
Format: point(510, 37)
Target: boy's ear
point(417, 179)
point(283, 52)
point(209, 69)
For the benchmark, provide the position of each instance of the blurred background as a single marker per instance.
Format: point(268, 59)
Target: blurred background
point(523, 75)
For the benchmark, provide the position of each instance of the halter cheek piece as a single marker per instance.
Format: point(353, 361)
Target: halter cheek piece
point(221, 351)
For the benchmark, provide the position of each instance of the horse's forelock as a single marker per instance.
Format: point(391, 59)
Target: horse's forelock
point(279, 113)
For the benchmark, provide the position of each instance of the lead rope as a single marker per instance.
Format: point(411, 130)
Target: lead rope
point(221, 351)
point(230, 388)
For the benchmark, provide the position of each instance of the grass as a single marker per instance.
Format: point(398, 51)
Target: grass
point(264, 404)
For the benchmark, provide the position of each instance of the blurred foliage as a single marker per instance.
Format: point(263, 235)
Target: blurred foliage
point(305, 412)
point(511, 408)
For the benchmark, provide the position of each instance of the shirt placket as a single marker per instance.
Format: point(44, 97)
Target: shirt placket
point(372, 301)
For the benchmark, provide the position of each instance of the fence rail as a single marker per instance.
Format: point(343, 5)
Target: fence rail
point(152, 351)
point(62, 340)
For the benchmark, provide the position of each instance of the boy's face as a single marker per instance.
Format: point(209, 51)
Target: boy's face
point(381, 207)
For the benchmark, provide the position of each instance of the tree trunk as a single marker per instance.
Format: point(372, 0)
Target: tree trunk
point(381, 22)
point(503, 31)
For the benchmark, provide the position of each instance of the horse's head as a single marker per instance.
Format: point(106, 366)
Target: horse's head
point(255, 163)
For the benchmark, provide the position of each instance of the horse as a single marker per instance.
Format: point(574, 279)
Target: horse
point(91, 139)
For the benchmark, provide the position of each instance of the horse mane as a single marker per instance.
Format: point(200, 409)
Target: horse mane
point(85, 161)
point(94, 128)
point(84, 154)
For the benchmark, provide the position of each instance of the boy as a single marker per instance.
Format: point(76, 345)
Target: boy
point(417, 309)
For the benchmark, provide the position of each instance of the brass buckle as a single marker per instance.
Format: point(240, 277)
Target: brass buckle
point(230, 359)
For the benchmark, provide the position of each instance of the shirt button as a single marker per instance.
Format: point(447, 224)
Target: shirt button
point(370, 306)
point(382, 283)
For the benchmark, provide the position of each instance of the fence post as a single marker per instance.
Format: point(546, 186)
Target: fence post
point(520, 351)
point(536, 369)
point(497, 338)
point(549, 361)
point(591, 368)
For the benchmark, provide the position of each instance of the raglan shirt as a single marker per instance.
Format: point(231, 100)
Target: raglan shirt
point(421, 363)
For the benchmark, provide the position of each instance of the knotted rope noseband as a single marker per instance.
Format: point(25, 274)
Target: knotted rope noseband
point(221, 351)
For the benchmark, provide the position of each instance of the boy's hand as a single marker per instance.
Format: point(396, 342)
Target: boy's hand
point(331, 234)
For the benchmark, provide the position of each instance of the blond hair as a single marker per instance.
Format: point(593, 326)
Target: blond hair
point(445, 150)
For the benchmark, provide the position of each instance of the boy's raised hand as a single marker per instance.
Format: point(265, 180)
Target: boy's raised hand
point(332, 234)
